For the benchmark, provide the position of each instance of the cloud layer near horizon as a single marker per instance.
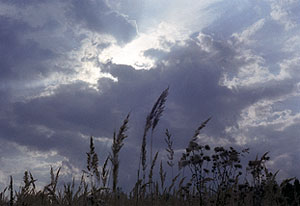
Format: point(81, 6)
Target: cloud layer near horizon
point(70, 70)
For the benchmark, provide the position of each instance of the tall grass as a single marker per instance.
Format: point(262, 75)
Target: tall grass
point(116, 147)
point(205, 176)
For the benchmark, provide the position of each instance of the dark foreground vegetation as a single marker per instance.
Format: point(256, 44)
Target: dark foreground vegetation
point(202, 176)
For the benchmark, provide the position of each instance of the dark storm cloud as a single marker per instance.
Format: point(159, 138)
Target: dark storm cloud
point(193, 75)
point(193, 71)
point(22, 52)
point(56, 122)
point(195, 95)
point(93, 15)
point(36, 39)
point(15, 53)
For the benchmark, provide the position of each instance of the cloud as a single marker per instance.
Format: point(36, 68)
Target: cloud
point(38, 162)
point(97, 16)
point(192, 16)
point(285, 12)
point(292, 45)
point(75, 109)
point(79, 72)
point(62, 46)
point(47, 47)
point(136, 53)
point(245, 36)
point(14, 49)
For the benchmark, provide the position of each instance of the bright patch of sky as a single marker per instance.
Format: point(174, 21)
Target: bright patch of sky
point(192, 15)
point(161, 39)
point(160, 25)
point(26, 159)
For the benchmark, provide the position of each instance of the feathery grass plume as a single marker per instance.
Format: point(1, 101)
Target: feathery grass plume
point(197, 132)
point(32, 181)
point(193, 145)
point(11, 189)
point(92, 162)
point(158, 108)
point(214, 179)
point(143, 158)
point(194, 159)
point(156, 113)
point(104, 173)
point(151, 122)
point(170, 150)
point(50, 189)
point(28, 181)
point(256, 167)
point(116, 147)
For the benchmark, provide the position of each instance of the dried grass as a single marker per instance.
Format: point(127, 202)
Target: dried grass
point(213, 178)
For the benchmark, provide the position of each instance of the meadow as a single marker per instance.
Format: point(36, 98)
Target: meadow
point(202, 176)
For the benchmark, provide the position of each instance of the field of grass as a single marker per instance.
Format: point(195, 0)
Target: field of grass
point(202, 176)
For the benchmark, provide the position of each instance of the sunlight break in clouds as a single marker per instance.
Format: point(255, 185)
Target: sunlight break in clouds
point(161, 39)
point(82, 63)
point(85, 62)
point(166, 26)
point(192, 15)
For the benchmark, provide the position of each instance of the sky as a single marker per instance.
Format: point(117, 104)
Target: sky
point(71, 69)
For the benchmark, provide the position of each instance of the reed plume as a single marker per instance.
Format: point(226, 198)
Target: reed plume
point(116, 147)
point(170, 150)
point(92, 162)
point(156, 113)
point(151, 123)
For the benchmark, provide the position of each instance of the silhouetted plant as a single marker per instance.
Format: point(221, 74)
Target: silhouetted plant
point(195, 159)
point(213, 178)
point(116, 147)
point(11, 189)
point(170, 151)
point(92, 164)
